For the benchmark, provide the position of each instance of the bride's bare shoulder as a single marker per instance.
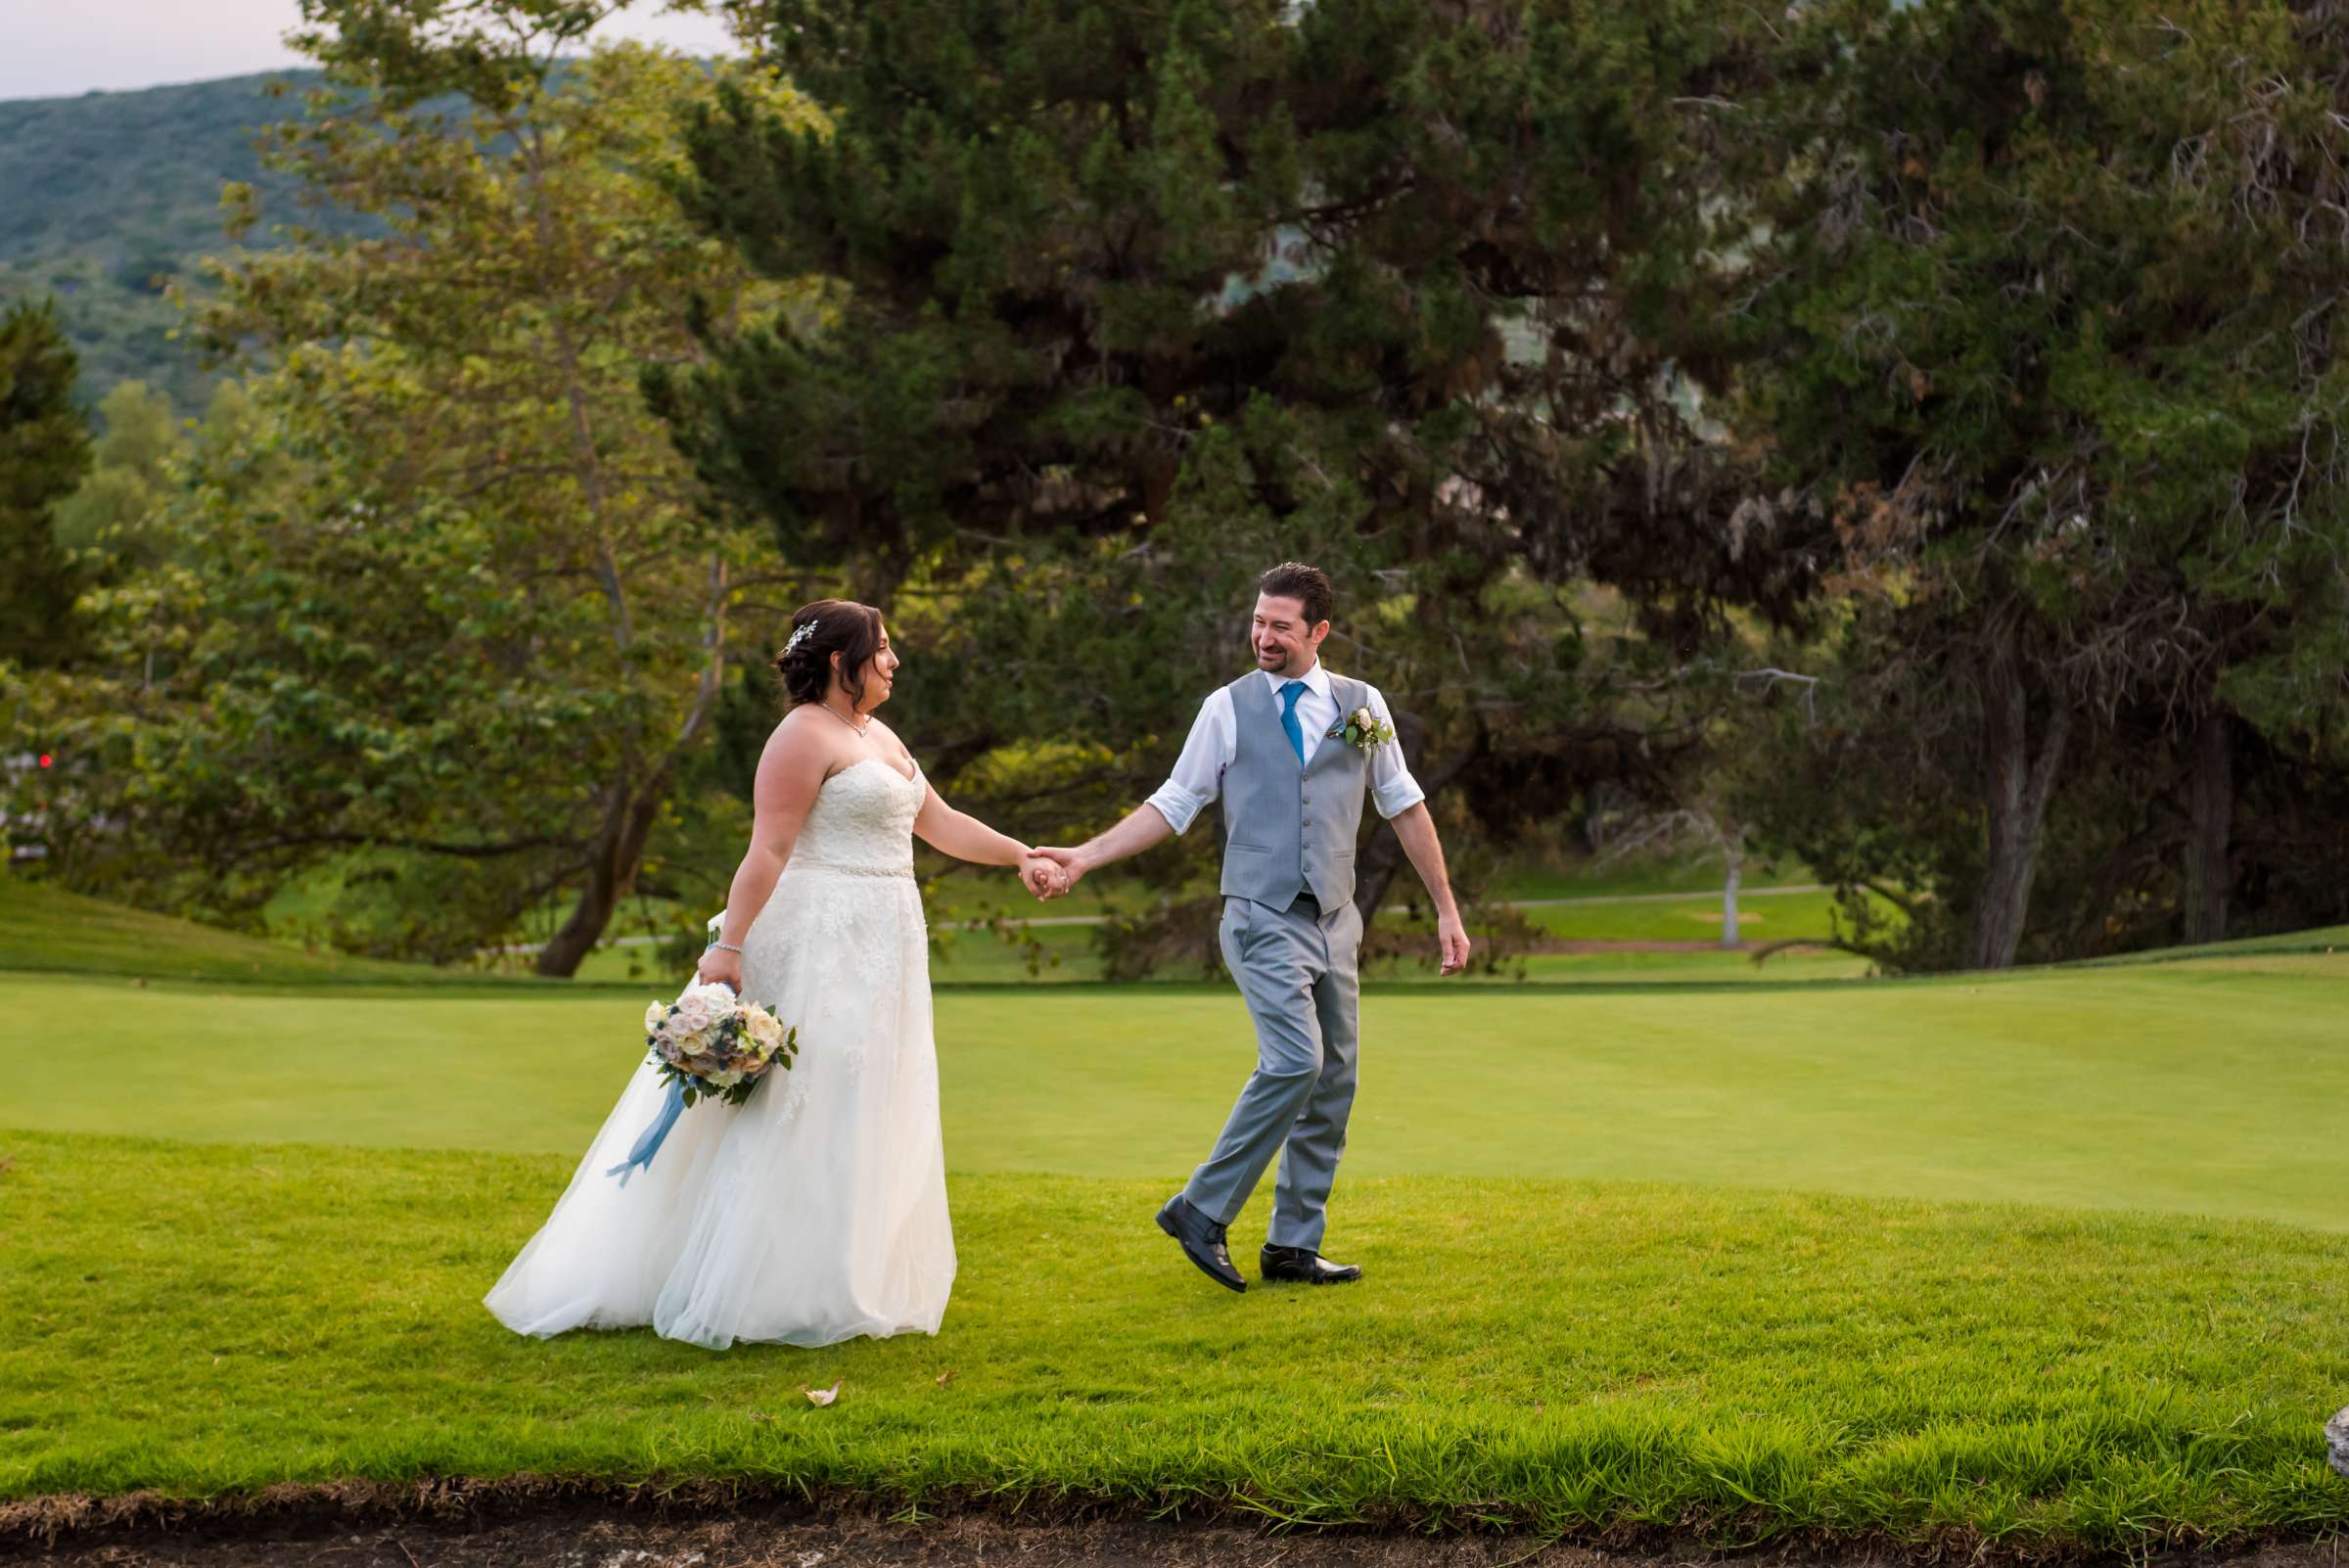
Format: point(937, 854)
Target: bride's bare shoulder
point(797, 750)
point(797, 727)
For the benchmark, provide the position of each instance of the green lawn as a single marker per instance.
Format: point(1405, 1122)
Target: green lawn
point(1762, 916)
point(209, 1318)
point(2203, 1087)
point(2054, 1257)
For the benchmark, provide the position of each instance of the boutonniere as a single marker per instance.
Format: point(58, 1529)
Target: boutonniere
point(1361, 729)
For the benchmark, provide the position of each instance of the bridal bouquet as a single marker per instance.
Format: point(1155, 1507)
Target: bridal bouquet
point(710, 1045)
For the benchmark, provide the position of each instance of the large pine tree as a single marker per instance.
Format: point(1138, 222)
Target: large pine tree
point(1129, 301)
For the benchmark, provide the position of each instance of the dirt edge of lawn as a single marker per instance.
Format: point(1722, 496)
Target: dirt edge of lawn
point(541, 1520)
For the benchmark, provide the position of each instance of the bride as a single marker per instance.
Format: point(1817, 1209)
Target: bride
point(816, 1211)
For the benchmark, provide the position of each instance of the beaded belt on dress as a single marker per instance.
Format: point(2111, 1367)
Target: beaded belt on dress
point(796, 864)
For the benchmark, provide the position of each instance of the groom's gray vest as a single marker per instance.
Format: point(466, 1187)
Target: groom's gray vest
point(1288, 828)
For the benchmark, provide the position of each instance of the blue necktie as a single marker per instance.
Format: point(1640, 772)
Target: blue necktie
point(1288, 716)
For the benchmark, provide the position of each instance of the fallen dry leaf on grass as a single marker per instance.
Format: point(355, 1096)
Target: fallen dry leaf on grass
point(821, 1396)
point(942, 1376)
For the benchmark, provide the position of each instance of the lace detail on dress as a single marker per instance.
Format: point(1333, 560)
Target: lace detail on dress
point(794, 1085)
point(847, 900)
point(846, 912)
point(862, 822)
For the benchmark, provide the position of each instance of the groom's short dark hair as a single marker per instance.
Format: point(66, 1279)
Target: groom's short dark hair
point(1308, 585)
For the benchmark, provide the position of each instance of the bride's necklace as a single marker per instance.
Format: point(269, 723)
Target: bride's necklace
point(859, 726)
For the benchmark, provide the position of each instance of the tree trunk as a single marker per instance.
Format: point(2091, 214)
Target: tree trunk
point(1374, 873)
point(2207, 877)
point(618, 853)
point(617, 848)
point(2016, 786)
point(569, 948)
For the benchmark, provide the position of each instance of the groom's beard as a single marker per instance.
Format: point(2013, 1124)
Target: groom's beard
point(1278, 661)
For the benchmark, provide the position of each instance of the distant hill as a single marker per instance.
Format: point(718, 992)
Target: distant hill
point(103, 194)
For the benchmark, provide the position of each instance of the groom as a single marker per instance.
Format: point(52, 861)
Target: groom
point(1282, 748)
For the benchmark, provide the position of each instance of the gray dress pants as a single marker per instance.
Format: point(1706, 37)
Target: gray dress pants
point(1297, 970)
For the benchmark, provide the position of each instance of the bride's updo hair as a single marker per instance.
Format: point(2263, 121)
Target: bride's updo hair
point(831, 626)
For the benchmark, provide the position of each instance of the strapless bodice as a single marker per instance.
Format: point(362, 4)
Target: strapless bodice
point(862, 823)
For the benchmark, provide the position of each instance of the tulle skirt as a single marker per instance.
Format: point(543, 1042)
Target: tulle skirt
point(814, 1212)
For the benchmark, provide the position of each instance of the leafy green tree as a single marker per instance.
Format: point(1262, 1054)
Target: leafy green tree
point(114, 509)
point(44, 449)
point(442, 592)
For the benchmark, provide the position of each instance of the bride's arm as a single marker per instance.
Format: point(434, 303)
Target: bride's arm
point(966, 838)
point(790, 771)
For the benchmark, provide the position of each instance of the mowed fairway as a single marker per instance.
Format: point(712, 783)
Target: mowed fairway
point(2211, 1087)
point(1831, 1257)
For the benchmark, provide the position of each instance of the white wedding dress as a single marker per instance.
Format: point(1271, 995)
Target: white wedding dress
point(816, 1211)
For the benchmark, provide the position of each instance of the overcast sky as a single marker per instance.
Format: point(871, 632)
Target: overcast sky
point(57, 48)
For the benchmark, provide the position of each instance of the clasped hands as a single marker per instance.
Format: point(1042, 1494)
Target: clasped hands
point(1049, 873)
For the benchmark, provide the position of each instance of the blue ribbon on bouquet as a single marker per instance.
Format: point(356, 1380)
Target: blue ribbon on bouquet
point(648, 1142)
point(673, 1106)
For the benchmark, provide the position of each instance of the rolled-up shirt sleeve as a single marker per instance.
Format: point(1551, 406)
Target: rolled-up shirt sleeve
point(1392, 787)
point(1198, 776)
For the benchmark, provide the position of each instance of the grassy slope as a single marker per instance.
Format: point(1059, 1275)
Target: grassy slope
point(44, 927)
point(206, 1319)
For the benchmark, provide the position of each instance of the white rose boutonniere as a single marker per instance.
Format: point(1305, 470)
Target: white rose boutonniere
point(1363, 729)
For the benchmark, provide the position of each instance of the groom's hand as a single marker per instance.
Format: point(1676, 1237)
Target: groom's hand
point(1452, 938)
point(1071, 863)
point(1043, 877)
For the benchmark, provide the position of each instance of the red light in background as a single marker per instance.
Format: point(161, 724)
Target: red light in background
point(46, 759)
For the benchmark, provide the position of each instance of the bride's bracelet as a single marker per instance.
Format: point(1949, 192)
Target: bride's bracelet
point(721, 947)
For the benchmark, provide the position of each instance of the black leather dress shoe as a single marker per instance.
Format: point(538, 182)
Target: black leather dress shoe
point(1305, 1267)
point(1202, 1241)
